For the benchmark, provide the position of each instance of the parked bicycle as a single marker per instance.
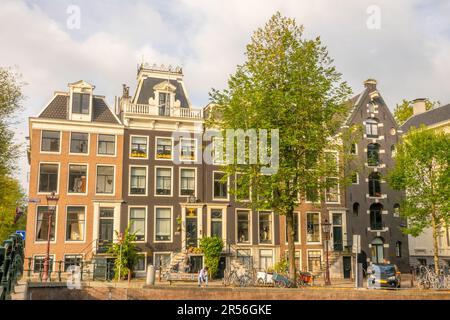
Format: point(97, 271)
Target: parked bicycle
point(428, 279)
point(238, 278)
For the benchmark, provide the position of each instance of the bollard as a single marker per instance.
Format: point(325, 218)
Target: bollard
point(150, 275)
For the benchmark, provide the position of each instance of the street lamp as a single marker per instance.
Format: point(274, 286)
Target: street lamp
point(51, 211)
point(326, 227)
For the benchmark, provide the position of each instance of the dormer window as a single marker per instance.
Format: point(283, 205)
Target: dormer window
point(164, 103)
point(80, 103)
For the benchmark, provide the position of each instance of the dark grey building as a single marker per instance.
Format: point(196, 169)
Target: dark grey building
point(372, 203)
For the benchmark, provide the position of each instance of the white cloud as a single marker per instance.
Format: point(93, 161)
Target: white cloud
point(409, 55)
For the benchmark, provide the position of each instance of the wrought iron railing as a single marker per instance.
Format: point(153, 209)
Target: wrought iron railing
point(11, 265)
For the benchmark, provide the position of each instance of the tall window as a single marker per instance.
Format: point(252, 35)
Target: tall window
point(295, 226)
point(105, 179)
point(163, 224)
point(164, 148)
point(356, 208)
point(220, 186)
point(42, 224)
point(48, 177)
point(396, 210)
point(377, 250)
point(163, 181)
point(106, 144)
point(79, 142)
point(373, 157)
point(372, 128)
point(187, 149)
point(140, 263)
point(137, 223)
point(50, 141)
point(162, 260)
point(164, 104)
point(243, 226)
point(217, 150)
point(265, 227)
point(375, 184)
point(354, 148)
point(376, 222)
point(80, 103)
point(139, 147)
point(77, 178)
point(138, 180)
point(75, 223)
point(314, 261)
point(312, 227)
point(398, 249)
point(187, 182)
point(265, 259)
point(355, 178)
point(216, 223)
point(332, 190)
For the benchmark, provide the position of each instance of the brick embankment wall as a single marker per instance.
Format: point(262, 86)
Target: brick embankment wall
point(92, 292)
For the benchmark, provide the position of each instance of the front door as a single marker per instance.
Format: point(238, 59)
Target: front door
point(191, 227)
point(337, 232)
point(106, 229)
point(347, 265)
point(221, 269)
point(196, 263)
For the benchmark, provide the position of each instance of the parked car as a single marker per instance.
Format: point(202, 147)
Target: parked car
point(383, 276)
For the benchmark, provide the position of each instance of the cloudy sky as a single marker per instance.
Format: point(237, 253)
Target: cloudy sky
point(408, 52)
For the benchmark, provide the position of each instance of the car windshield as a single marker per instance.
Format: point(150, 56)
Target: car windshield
point(389, 269)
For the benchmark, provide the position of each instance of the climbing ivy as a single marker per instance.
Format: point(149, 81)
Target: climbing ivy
point(212, 249)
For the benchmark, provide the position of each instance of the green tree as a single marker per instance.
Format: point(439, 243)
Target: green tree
point(404, 110)
point(212, 249)
point(125, 254)
point(11, 195)
point(287, 83)
point(422, 169)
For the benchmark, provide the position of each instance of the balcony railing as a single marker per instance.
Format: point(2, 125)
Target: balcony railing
point(146, 109)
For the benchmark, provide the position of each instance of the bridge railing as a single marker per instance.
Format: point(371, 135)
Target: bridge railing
point(11, 265)
point(59, 271)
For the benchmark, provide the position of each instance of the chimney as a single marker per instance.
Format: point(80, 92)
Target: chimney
point(419, 106)
point(371, 84)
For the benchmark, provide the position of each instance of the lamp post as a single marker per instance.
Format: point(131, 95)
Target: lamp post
point(326, 226)
point(51, 211)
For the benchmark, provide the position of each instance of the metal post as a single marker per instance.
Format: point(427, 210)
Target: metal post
point(120, 260)
point(47, 256)
point(327, 280)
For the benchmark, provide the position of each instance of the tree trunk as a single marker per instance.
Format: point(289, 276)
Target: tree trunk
point(291, 245)
point(435, 226)
point(129, 276)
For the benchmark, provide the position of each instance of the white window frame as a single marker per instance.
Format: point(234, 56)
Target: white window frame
point(272, 227)
point(131, 143)
point(115, 145)
point(114, 177)
point(39, 178)
point(129, 182)
point(259, 256)
point(338, 192)
point(65, 223)
point(307, 257)
point(170, 253)
point(320, 227)
point(35, 225)
point(171, 224)
point(228, 187)
point(195, 150)
point(179, 180)
point(52, 257)
point(171, 181)
point(40, 142)
point(88, 144)
point(214, 151)
point(250, 233)
point(68, 179)
point(145, 221)
point(300, 265)
point(357, 179)
point(224, 221)
point(156, 148)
